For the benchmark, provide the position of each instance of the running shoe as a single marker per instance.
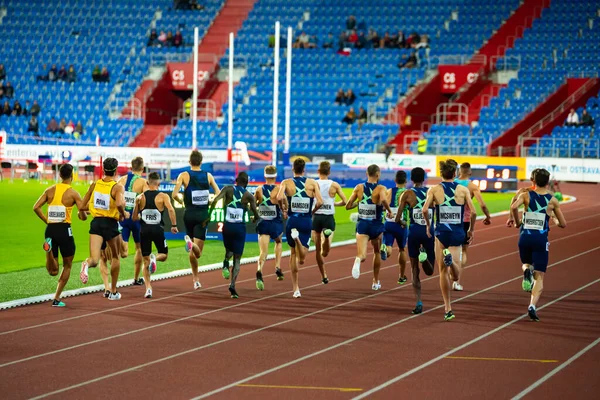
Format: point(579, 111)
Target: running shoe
point(422, 255)
point(356, 268)
point(327, 232)
point(188, 243)
point(197, 285)
point(294, 234)
point(152, 265)
point(279, 274)
point(402, 280)
point(383, 252)
point(106, 293)
point(457, 286)
point(234, 294)
point(376, 285)
point(325, 281)
point(83, 275)
point(532, 314)
point(47, 246)
point(114, 296)
point(260, 284)
point(297, 294)
point(527, 284)
point(418, 309)
point(449, 316)
point(138, 282)
point(447, 257)
point(57, 303)
point(148, 294)
point(225, 269)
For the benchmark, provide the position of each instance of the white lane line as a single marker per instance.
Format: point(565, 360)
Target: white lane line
point(556, 370)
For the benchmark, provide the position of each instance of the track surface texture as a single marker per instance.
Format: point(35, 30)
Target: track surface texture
point(339, 341)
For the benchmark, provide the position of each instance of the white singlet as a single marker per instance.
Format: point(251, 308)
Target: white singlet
point(328, 207)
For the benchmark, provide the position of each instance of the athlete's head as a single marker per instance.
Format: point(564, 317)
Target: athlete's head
point(66, 172)
point(542, 177)
point(137, 164)
point(533, 173)
point(373, 171)
point(417, 175)
point(325, 168)
point(465, 169)
point(195, 158)
point(448, 169)
point(270, 172)
point(401, 177)
point(242, 179)
point(153, 179)
point(299, 165)
point(110, 166)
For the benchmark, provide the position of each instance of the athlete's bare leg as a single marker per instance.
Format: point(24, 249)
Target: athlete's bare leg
point(263, 245)
point(416, 281)
point(294, 269)
point(124, 248)
point(326, 245)
point(64, 276)
point(376, 243)
point(278, 250)
point(103, 266)
point(115, 263)
point(402, 262)
point(362, 242)
point(300, 251)
point(538, 287)
point(137, 261)
point(195, 254)
point(317, 238)
point(444, 276)
point(52, 264)
point(146, 272)
point(235, 271)
point(95, 249)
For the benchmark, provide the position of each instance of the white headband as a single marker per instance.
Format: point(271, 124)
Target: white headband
point(271, 175)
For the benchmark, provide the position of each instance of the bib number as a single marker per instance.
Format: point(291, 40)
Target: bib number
point(534, 221)
point(394, 213)
point(450, 215)
point(200, 197)
point(101, 201)
point(130, 199)
point(267, 213)
point(57, 214)
point(417, 215)
point(70, 232)
point(151, 217)
point(300, 205)
point(234, 215)
point(367, 211)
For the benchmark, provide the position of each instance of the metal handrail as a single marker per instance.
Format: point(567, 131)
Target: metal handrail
point(160, 59)
point(122, 103)
point(555, 150)
point(161, 136)
point(507, 66)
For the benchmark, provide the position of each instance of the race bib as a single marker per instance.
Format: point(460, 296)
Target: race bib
point(534, 221)
point(151, 217)
point(417, 215)
point(327, 208)
point(200, 197)
point(101, 201)
point(450, 215)
point(267, 213)
point(234, 215)
point(367, 211)
point(130, 199)
point(300, 205)
point(394, 213)
point(57, 214)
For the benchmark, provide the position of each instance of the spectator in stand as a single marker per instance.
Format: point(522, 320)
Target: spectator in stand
point(352, 39)
point(408, 61)
point(9, 90)
point(33, 126)
point(1, 92)
point(328, 42)
point(62, 126)
point(53, 73)
point(78, 131)
point(195, 6)
point(413, 38)
point(62, 73)
point(422, 145)
point(586, 119)
point(399, 40)
point(350, 117)
point(153, 38)
point(35, 109)
point(423, 43)
point(2, 72)
point(70, 128)
point(386, 41)
point(362, 41)
point(573, 118)
point(17, 109)
point(104, 75)
point(162, 38)
point(96, 74)
point(373, 37)
point(170, 39)
point(6, 110)
point(362, 117)
point(351, 23)
point(25, 111)
point(350, 97)
point(302, 42)
point(340, 97)
point(178, 39)
point(342, 41)
point(71, 74)
point(52, 126)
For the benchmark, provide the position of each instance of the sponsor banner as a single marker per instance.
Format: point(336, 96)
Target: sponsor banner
point(395, 161)
point(567, 169)
point(479, 161)
point(455, 76)
point(182, 75)
point(177, 157)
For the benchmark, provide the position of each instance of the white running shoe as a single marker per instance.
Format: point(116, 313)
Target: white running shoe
point(297, 294)
point(356, 268)
point(83, 275)
point(152, 265)
point(148, 294)
point(197, 285)
point(114, 296)
point(188, 243)
point(457, 286)
point(376, 286)
point(294, 234)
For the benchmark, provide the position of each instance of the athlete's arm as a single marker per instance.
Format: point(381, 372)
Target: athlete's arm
point(340, 192)
point(78, 203)
point(562, 222)
point(514, 209)
point(136, 209)
point(145, 185)
point(384, 200)
point(318, 197)
point(171, 211)
point(477, 193)
point(212, 183)
point(282, 189)
point(469, 203)
point(510, 222)
point(258, 195)
point(407, 198)
point(37, 207)
point(251, 201)
point(120, 200)
point(177, 188)
point(226, 190)
point(429, 201)
point(353, 200)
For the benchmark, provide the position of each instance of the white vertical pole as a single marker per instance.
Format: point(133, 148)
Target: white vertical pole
point(275, 93)
point(288, 95)
point(195, 93)
point(230, 107)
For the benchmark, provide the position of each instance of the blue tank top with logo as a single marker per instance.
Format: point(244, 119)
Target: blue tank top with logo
point(301, 204)
point(536, 219)
point(197, 191)
point(129, 194)
point(367, 210)
point(449, 214)
point(235, 212)
point(417, 222)
point(266, 209)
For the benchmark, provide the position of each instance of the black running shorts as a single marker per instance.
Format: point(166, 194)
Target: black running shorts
point(62, 239)
point(153, 234)
point(108, 228)
point(321, 222)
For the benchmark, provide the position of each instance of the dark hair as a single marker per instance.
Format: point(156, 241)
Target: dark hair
point(242, 179)
point(533, 173)
point(325, 168)
point(110, 166)
point(401, 177)
point(448, 169)
point(137, 164)
point(417, 175)
point(542, 177)
point(195, 158)
point(154, 176)
point(372, 170)
point(465, 168)
point(66, 171)
point(299, 165)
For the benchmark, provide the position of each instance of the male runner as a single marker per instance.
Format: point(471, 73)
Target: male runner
point(195, 199)
point(60, 199)
point(510, 222)
point(270, 226)
point(106, 202)
point(134, 185)
point(323, 223)
point(370, 197)
point(301, 193)
point(421, 248)
point(464, 179)
point(539, 205)
point(236, 200)
point(394, 231)
point(449, 199)
point(149, 207)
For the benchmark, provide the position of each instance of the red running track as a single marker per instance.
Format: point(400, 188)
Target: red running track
point(339, 341)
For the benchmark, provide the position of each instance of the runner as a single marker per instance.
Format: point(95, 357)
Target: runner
point(449, 199)
point(301, 193)
point(106, 202)
point(59, 236)
point(539, 205)
point(149, 207)
point(270, 226)
point(323, 223)
point(395, 231)
point(421, 248)
point(236, 200)
point(370, 225)
point(134, 185)
point(464, 179)
point(196, 198)
point(510, 222)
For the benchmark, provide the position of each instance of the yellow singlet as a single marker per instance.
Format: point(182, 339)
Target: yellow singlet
point(102, 203)
point(57, 211)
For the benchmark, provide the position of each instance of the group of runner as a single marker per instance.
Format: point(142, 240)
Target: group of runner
point(133, 206)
